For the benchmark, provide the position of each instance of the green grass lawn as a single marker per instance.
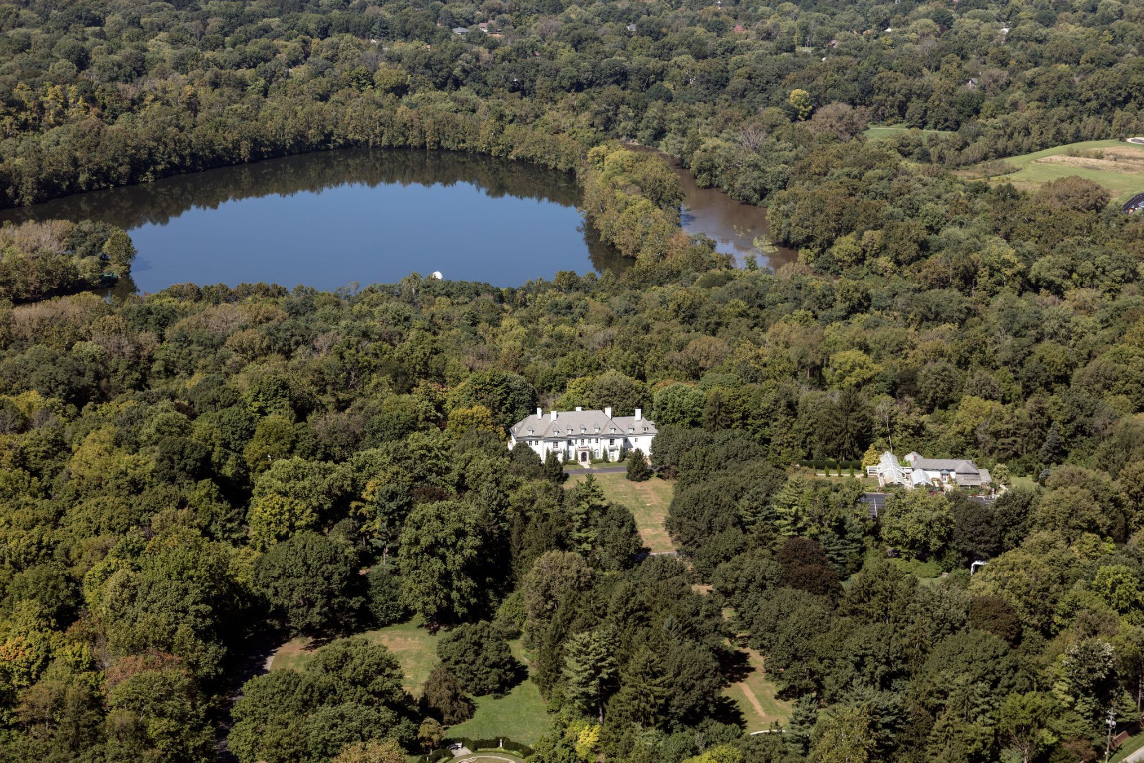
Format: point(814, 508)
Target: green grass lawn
point(413, 646)
point(1025, 483)
point(1123, 175)
point(520, 715)
point(648, 502)
point(1131, 745)
point(755, 697)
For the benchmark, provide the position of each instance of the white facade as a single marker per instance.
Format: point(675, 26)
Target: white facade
point(937, 473)
point(584, 436)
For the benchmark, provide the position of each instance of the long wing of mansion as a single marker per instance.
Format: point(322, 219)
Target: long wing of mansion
point(584, 436)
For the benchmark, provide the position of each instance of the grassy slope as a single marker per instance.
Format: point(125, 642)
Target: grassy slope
point(757, 685)
point(414, 647)
point(1032, 173)
point(648, 502)
point(520, 716)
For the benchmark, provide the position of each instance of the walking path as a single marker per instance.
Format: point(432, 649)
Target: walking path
point(750, 695)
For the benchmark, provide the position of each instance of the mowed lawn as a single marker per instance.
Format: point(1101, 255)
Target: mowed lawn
point(1120, 169)
point(648, 502)
point(755, 697)
point(414, 647)
point(521, 715)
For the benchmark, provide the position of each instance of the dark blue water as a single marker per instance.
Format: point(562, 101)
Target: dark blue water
point(338, 218)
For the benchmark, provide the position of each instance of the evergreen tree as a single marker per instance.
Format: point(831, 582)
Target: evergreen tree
point(619, 540)
point(1050, 452)
point(802, 721)
point(554, 469)
point(586, 505)
point(644, 692)
point(590, 670)
point(638, 469)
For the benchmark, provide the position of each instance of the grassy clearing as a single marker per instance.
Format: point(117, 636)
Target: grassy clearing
point(520, 715)
point(1115, 164)
point(755, 696)
point(413, 646)
point(648, 502)
point(1024, 483)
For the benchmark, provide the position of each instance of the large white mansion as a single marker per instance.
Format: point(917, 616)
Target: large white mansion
point(584, 436)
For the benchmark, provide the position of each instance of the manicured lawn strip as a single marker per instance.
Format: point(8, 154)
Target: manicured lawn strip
point(520, 715)
point(764, 690)
point(648, 502)
point(1131, 745)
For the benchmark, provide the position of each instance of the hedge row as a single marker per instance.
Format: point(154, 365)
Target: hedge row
point(832, 465)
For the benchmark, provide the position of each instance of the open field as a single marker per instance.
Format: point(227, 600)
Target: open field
point(648, 502)
point(755, 696)
point(414, 647)
point(1115, 164)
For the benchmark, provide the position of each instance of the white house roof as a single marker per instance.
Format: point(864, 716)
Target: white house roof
point(580, 423)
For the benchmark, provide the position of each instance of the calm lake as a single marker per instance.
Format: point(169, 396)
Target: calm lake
point(361, 216)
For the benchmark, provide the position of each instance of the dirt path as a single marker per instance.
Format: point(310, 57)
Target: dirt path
point(750, 695)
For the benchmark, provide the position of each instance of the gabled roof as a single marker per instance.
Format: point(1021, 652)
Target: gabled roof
point(581, 423)
point(633, 426)
point(954, 465)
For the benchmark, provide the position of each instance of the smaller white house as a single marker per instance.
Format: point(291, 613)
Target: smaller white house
point(584, 436)
point(936, 473)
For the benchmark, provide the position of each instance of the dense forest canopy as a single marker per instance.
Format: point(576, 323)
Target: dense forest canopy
point(99, 93)
point(190, 477)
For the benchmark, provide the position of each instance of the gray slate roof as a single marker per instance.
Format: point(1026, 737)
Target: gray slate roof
point(956, 465)
point(579, 423)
